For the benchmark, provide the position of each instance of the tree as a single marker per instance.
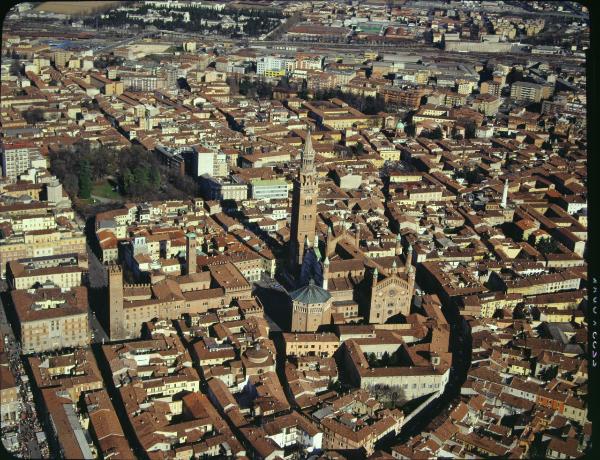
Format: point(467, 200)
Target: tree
point(127, 181)
point(303, 93)
point(85, 180)
point(284, 83)
point(33, 116)
point(15, 67)
point(339, 386)
point(395, 359)
point(547, 246)
point(473, 176)
point(155, 177)
point(234, 84)
point(385, 359)
point(436, 133)
point(470, 130)
point(390, 396)
point(371, 359)
point(136, 171)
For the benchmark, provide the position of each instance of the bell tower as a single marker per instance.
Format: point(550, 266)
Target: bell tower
point(304, 206)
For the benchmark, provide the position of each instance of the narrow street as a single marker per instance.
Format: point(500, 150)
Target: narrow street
point(28, 424)
point(97, 282)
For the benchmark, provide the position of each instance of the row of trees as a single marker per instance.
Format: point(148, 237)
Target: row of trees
point(102, 62)
point(255, 88)
point(437, 134)
point(547, 246)
point(255, 21)
point(386, 359)
point(391, 396)
point(259, 88)
point(15, 67)
point(33, 116)
point(368, 105)
point(471, 175)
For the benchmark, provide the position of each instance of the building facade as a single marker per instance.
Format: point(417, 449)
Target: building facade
point(52, 318)
point(391, 295)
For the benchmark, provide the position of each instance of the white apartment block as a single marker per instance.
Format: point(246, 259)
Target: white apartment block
point(18, 158)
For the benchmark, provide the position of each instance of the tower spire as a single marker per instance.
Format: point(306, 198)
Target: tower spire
point(398, 248)
point(504, 194)
point(316, 246)
point(409, 256)
point(308, 154)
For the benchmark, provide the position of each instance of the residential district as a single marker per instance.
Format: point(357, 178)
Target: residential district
point(285, 230)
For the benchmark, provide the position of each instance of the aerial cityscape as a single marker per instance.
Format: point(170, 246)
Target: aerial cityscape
point(284, 230)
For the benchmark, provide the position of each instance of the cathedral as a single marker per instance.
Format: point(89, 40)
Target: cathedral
point(362, 288)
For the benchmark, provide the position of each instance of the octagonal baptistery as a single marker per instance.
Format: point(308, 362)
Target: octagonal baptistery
point(311, 307)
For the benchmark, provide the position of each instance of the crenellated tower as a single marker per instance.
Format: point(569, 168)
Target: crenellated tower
point(115, 303)
point(191, 254)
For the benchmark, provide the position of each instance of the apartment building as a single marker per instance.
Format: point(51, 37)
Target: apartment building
point(40, 243)
point(209, 161)
point(275, 66)
point(21, 276)
point(51, 318)
point(522, 91)
point(18, 157)
point(309, 344)
point(268, 189)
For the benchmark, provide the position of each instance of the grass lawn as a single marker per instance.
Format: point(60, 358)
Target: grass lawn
point(104, 189)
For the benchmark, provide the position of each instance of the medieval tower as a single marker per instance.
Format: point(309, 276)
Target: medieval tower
point(115, 303)
point(304, 206)
point(190, 246)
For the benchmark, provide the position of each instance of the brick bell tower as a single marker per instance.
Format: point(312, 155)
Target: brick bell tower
point(115, 303)
point(304, 206)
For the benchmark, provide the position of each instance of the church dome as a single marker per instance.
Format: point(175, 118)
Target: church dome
point(310, 294)
point(257, 356)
